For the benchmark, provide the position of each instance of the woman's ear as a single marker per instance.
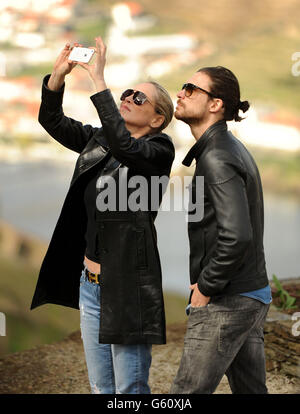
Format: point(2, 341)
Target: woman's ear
point(157, 121)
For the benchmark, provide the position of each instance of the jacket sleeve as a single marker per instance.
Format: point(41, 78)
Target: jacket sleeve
point(150, 157)
point(68, 132)
point(227, 194)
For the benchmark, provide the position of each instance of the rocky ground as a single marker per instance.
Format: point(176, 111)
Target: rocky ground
point(60, 368)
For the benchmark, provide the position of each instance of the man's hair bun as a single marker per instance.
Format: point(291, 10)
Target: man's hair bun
point(244, 106)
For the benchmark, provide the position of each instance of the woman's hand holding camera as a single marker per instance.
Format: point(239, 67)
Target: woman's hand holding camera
point(96, 70)
point(63, 66)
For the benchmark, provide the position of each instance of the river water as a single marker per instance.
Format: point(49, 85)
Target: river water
point(32, 194)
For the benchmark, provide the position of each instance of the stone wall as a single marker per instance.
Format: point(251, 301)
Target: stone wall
point(282, 343)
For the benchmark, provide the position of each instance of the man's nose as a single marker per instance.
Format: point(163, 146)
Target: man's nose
point(181, 94)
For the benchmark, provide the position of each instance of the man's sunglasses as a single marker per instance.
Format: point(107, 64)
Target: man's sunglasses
point(190, 87)
point(139, 98)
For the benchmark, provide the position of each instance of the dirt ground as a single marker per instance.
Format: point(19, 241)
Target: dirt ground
point(60, 369)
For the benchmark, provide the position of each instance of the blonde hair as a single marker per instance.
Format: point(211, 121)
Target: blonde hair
point(163, 104)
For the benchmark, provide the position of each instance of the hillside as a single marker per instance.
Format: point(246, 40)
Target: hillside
point(224, 20)
point(255, 39)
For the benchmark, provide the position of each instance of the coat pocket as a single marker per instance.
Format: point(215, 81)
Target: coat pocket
point(141, 247)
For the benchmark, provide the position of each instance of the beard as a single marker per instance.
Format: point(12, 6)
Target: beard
point(190, 120)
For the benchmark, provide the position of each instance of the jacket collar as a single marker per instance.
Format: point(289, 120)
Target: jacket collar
point(199, 146)
point(100, 138)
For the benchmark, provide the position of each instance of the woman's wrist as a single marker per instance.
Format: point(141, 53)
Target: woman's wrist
point(100, 84)
point(56, 81)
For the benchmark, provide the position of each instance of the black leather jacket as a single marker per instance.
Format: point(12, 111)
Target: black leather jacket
point(132, 307)
point(226, 246)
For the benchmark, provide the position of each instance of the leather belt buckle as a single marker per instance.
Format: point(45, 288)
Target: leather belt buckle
point(92, 277)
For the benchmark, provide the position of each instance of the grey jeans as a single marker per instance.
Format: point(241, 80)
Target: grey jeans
point(224, 337)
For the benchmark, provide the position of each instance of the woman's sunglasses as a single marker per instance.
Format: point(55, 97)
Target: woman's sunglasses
point(190, 87)
point(139, 98)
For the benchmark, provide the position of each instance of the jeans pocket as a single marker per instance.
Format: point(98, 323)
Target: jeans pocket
point(233, 331)
point(231, 337)
point(198, 316)
point(198, 308)
point(197, 311)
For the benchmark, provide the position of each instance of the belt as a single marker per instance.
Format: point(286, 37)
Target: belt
point(92, 277)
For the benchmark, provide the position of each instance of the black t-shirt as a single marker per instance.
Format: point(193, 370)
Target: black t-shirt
point(89, 195)
point(90, 206)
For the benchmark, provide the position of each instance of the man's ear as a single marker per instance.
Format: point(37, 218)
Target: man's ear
point(157, 121)
point(217, 105)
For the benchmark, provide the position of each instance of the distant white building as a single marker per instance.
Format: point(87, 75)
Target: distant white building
point(120, 44)
point(130, 17)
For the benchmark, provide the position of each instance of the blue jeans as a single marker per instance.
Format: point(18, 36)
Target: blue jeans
point(112, 368)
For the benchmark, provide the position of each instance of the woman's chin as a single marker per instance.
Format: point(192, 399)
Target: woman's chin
point(125, 114)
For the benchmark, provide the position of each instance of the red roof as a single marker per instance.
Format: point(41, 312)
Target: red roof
point(135, 8)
